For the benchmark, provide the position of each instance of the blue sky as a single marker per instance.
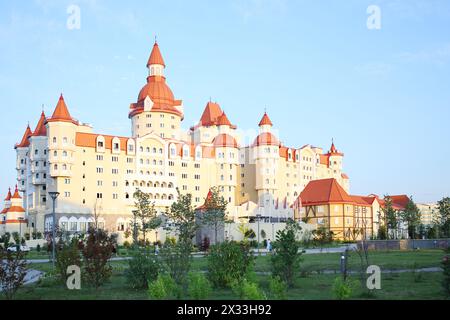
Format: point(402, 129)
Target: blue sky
point(320, 72)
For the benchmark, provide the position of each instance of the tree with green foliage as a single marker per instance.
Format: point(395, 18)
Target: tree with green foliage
point(199, 286)
point(411, 216)
point(229, 262)
point(248, 290)
point(286, 256)
point(323, 235)
point(182, 216)
point(97, 251)
point(176, 256)
point(67, 254)
point(215, 211)
point(390, 217)
point(143, 268)
point(163, 288)
point(278, 288)
point(442, 218)
point(146, 213)
point(13, 269)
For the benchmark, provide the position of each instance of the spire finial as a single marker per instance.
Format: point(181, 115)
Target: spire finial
point(156, 39)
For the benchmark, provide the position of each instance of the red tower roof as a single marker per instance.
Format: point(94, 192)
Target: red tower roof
point(265, 121)
point(25, 142)
point(156, 56)
point(211, 114)
point(16, 194)
point(41, 130)
point(8, 197)
point(223, 120)
point(61, 112)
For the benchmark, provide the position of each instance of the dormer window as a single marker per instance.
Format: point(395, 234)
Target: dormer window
point(100, 144)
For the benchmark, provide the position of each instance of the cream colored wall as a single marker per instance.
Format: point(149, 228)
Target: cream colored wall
point(165, 125)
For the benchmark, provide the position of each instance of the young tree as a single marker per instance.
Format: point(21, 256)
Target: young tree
point(215, 213)
point(443, 217)
point(67, 254)
point(411, 215)
point(390, 216)
point(97, 251)
point(146, 213)
point(177, 256)
point(13, 269)
point(182, 216)
point(287, 255)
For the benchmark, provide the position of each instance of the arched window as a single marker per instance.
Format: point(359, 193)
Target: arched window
point(127, 196)
point(54, 139)
point(64, 167)
point(170, 197)
point(127, 183)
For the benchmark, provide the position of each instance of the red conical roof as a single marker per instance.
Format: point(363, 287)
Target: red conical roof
point(41, 130)
point(8, 197)
point(265, 121)
point(16, 194)
point(61, 112)
point(223, 120)
point(211, 114)
point(333, 148)
point(25, 142)
point(156, 56)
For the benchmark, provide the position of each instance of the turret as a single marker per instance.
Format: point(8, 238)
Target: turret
point(156, 110)
point(61, 140)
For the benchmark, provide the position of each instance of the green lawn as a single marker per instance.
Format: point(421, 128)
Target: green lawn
point(309, 285)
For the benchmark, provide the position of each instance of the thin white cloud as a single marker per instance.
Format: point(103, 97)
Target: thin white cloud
point(248, 9)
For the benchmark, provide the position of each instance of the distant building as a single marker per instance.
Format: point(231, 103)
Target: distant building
point(427, 210)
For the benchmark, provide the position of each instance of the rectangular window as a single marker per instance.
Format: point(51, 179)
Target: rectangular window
point(99, 170)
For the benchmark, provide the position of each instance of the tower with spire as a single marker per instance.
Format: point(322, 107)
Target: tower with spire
point(156, 109)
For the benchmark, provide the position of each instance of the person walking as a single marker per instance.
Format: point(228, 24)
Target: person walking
point(269, 246)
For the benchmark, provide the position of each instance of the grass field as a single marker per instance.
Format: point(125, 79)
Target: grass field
point(310, 284)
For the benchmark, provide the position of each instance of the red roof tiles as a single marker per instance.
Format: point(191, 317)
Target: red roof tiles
point(265, 121)
point(156, 56)
point(24, 143)
point(324, 191)
point(41, 129)
point(61, 113)
point(266, 139)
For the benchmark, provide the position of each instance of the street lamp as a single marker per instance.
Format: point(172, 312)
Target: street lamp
point(20, 228)
point(54, 195)
point(258, 216)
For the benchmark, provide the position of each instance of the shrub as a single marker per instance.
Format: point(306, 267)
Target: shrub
point(229, 262)
point(287, 255)
point(248, 290)
point(343, 289)
point(39, 235)
point(278, 288)
point(142, 269)
point(38, 248)
point(126, 245)
point(163, 288)
point(13, 268)
point(199, 287)
point(96, 253)
point(67, 255)
point(177, 261)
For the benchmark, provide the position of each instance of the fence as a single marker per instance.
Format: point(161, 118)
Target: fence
point(409, 244)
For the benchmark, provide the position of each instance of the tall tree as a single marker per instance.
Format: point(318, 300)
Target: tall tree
point(443, 216)
point(287, 255)
point(215, 212)
point(390, 216)
point(146, 213)
point(177, 257)
point(411, 215)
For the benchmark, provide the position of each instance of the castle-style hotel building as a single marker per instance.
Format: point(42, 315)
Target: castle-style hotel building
point(98, 173)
